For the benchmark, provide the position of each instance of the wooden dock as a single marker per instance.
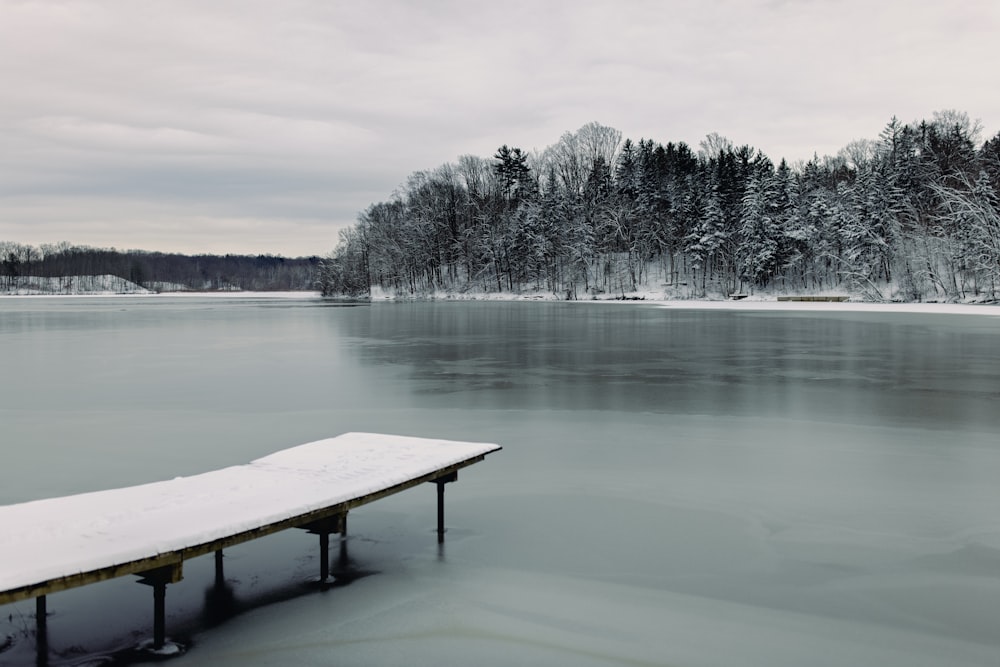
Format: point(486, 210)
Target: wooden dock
point(833, 298)
point(51, 545)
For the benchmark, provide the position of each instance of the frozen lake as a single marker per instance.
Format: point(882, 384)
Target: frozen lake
point(677, 486)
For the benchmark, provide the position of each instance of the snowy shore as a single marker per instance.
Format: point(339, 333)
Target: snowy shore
point(767, 302)
point(103, 285)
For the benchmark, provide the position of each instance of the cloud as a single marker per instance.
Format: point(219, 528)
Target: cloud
point(167, 123)
point(116, 137)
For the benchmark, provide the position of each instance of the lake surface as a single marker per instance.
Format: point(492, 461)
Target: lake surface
point(677, 486)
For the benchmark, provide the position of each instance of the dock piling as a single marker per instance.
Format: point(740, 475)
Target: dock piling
point(158, 579)
point(440, 482)
point(41, 631)
point(336, 523)
point(159, 614)
point(220, 575)
point(324, 556)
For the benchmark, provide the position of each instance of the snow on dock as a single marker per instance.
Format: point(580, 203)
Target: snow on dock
point(58, 543)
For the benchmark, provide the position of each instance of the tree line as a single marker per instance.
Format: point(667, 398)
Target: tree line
point(159, 271)
point(911, 215)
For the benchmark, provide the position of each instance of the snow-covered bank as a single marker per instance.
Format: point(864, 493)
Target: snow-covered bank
point(244, 295)
point(69, 285)
point(757, 302)
point(842, 306)
point(64, 288)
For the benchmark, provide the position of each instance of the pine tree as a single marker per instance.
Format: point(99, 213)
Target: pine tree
point(760, 226)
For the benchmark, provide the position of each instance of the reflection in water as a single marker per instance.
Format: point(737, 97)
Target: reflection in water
point(220, 599)
point(221, 603)
point(345, 571)
point(865, 368)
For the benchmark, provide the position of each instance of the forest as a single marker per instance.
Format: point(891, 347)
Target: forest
point(910, 215)
point(159, 271)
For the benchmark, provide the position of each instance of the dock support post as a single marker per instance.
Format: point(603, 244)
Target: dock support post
point(220, 575)
point(158, 579)
point(41, 612)
point(159, 614)
point(324, 556)
point(440, 482)
point(41, 631)
point(440, 486)
point(323, 527)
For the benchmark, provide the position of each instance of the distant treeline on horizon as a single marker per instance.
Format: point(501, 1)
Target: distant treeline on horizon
point(911, 215)
point(160, 271)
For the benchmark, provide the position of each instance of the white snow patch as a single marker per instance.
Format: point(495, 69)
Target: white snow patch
point(169, 648)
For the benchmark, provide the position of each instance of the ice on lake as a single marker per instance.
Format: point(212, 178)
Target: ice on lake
point(677, 486)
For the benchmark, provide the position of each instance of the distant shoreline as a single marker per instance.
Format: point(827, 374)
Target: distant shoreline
point(753, 303)
point(769, 304)
point(187, 294)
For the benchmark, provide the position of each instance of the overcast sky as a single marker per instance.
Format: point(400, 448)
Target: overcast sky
point(260, 126)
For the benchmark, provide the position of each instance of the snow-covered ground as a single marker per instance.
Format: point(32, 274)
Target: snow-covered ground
point(244, 295)
point(110, 286)
point(841, 306)
point(768, 302)
point(81, 292)
point(69, 285)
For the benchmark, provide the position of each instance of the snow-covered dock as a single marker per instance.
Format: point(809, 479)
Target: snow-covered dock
point(54, 544)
